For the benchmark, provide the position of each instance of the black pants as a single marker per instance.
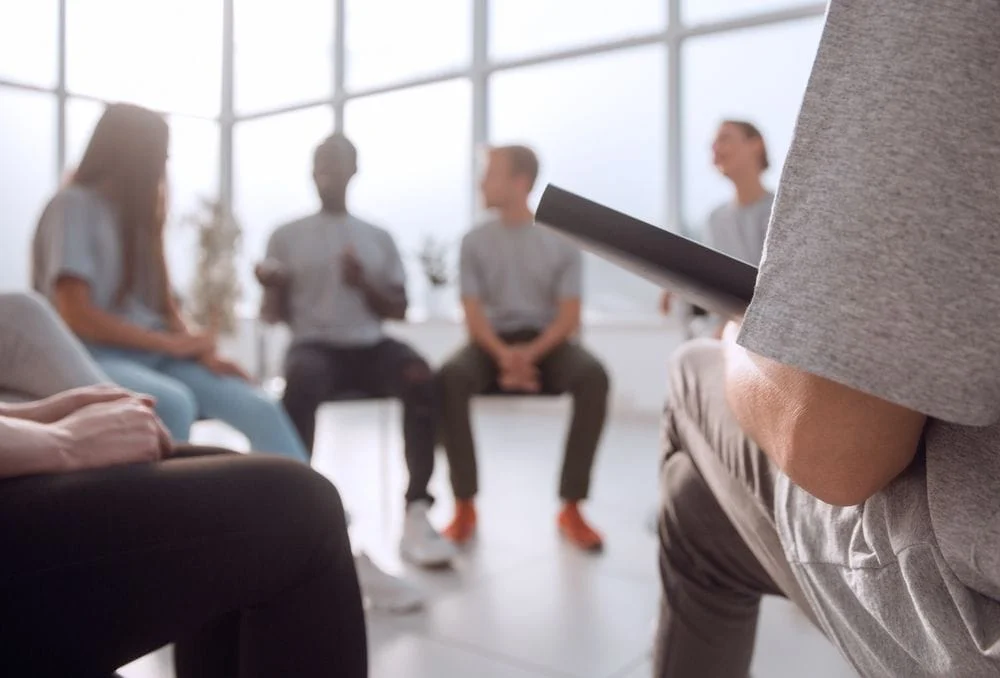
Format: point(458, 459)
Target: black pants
point(243, 561)
point(316, 373)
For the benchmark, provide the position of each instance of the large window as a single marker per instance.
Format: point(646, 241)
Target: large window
point(250, 89)
point(755, 74)
point(611, 149)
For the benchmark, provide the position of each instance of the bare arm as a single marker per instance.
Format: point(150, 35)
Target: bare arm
point(92, 324)
point(175, 320)
point(565, 325)
point(840, 445)
point(274, 305)
point(480, 331)
point(30, 448)
point(389, 303)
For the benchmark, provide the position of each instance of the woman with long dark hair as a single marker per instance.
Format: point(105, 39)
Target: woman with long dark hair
point(99, 257)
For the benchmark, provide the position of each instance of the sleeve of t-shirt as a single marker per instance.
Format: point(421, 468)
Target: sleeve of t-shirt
point(68, 234)
point(469, 277)
point(571, 276)
point(881, 268)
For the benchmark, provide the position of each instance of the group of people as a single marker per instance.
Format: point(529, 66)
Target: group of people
point(836, 446)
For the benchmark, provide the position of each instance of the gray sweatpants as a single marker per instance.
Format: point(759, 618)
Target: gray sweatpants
point(719, 548)
point(39, 355)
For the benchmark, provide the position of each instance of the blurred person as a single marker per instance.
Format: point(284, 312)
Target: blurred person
point(521, 291)
point(334, 279)
point(738, 226)
point(99, 257)
point(842, 446)
point(155, 533)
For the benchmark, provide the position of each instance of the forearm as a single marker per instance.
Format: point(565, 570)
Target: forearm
point(839, 445)
point(96, 326)
point(481, 332)
point(29, 448)
point(389, 303)
point(175, 319)
point(274, 305)
point(565, 325)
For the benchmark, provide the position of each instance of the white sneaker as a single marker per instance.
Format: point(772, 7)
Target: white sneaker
point(382, 591)
point(421, 544)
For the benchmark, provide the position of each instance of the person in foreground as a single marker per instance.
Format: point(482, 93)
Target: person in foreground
point(520, 288)
point(115, 543)
point(737, 227)
point(334, 279)
point(99, 257)
point(844, 449)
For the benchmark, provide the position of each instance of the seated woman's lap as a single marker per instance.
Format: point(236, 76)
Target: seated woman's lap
point(100, 567)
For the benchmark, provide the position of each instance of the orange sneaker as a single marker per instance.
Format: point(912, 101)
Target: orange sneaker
point(463, 526)
point(576, 530)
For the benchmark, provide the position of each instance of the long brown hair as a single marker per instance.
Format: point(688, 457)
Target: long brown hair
point(126, 161)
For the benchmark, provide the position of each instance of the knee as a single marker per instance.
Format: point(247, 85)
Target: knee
point(593, 380)
point(178, 408)
point(302, 384)
point(26, 309)
point(692, 370)
point(453, 379)
point(308, 501)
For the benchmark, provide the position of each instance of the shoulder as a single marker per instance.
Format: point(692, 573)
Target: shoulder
point(479, 234)
point(292, 227)
point(377, 234)
point(82, 207)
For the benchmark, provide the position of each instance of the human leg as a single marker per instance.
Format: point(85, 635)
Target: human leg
point(395, 369)
point(311, 375)
point(176, 404)
point(571, 368)
point(239, 404)
point(39, 355)
point(468, 372)
point(170, 551)
point(719, 546)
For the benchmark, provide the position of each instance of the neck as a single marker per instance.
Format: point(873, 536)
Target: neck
point(749, 189)
point(336, 206)
point(516, 215)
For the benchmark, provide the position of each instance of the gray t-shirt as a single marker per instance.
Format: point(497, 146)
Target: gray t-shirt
point(519, 274)
point(78, 236)
point(322, 306)
point(881, 271)
point(739, 230)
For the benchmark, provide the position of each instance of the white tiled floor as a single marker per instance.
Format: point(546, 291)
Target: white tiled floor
point(520, 604)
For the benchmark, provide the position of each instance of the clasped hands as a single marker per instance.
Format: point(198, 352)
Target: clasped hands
point(517, 368)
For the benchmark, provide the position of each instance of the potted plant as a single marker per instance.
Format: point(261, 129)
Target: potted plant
point(216, 289)
point(433, 257)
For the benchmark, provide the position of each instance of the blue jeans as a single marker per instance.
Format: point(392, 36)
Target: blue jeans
point(186, 391)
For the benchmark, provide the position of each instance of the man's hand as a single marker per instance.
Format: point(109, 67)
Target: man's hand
point(271, 273)
point(54, 408)
point(517, 370)
point(223, 367)
point(354, 275)
point(119, 432)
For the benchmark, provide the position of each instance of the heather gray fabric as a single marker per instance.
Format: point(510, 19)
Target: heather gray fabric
point(739, 230)
point(39, 356)
point(519, 274)
point(323, 307)
point(881, 271)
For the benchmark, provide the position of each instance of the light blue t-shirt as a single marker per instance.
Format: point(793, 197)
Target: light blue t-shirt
point(322, 306)
point(519, 274)
point(78, 236)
